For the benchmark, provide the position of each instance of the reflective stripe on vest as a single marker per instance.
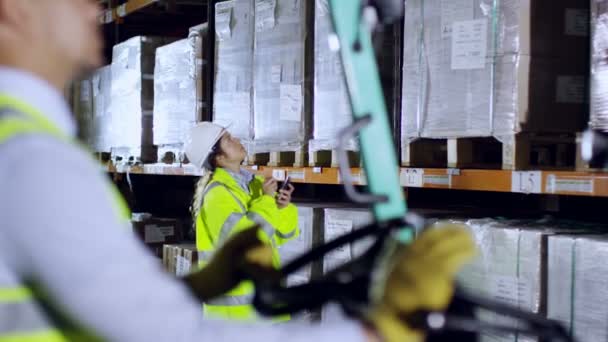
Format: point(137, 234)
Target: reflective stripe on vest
point(232, 300)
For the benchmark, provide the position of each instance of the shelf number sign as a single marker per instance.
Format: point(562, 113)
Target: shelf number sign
point(527, 182)
point(412, 178)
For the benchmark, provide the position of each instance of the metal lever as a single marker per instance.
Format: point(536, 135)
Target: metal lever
point(344, 137)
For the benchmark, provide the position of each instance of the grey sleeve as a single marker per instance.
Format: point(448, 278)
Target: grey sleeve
point(63, 231)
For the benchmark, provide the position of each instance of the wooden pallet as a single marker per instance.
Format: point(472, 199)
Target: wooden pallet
point(172, 155)
point(517, 152)
point(329, 158)
point(274, 159)
point(147, 154)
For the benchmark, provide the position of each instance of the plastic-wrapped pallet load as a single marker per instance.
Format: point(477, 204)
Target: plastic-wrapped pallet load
point(599, 65)
point(278, 92)
point(475, 68)
point(578, 283)
point(302, 244)
point(175, 97)
point(133, 98)
point(511, 267)
point(339, 222)
point(84, 109)
point(102, 120)
point(198, 40)
point(332, 110)
point(234, 67)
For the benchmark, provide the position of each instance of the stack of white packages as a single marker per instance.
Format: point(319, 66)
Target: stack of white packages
point(101, 84)
point(91, 98)
point(339, 222)
point(234, 22)
point(175, 96)
point(599, 64)
point(132, 95)
point(510, 267)
point(307, 216)
point(278, 71)
point(332, 110)
point(475, 68)
point(578, 285)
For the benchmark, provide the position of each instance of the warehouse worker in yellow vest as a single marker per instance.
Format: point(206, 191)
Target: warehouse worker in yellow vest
point(68, 262)
point(229, 199)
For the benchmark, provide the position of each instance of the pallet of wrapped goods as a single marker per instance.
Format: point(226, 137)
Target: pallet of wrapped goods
point(132, 94)
point(176, 99)
point(280, 112)
point(90, 102)
point(599, 65)
point(493, 85)
point(511, 265)
point(232, 104)
point(331, 109)
point(578, 283)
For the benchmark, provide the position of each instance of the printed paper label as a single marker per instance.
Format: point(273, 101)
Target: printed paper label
point(557, 185)
point(335, 228)
point(577, 22)
point(265, 14)
point(156, 234)
point(442, 180)
point(291, 102)
point(297, 174)
point(452, 11)
point(469, 44)
point(412, 177)
point(527, 182)
point(570, 89)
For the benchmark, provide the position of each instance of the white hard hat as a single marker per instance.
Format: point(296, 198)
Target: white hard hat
point(201, 140)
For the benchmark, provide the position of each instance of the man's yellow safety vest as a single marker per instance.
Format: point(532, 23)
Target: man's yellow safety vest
point(26, 314)
point(226, 209)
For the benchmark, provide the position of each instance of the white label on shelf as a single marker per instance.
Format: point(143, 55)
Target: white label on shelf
point(557, 185)
point(577, 22)
point(276, 73)
point(570, 89)
point(279, 174)
point(297, 174)
point(223, 20)
point(122, 10)
point(527, 182)
point(412, 177)
point(155, 234)
point(335, 228)
point(469, 44)
point(255, 167)
point(291, 102)
point(317, 170)
point(265, 14)
point(454, 10)
point(441, 180)
point(182, 266)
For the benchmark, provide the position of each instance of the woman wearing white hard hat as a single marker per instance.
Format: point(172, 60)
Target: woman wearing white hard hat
point(229, 199)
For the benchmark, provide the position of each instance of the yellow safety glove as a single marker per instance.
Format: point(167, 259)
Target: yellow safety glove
point(243, 255)
point(419, 277)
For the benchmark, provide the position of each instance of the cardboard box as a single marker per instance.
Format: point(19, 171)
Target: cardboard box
point(180, 259)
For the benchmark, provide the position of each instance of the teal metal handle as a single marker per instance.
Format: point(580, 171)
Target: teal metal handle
point(343, 138)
